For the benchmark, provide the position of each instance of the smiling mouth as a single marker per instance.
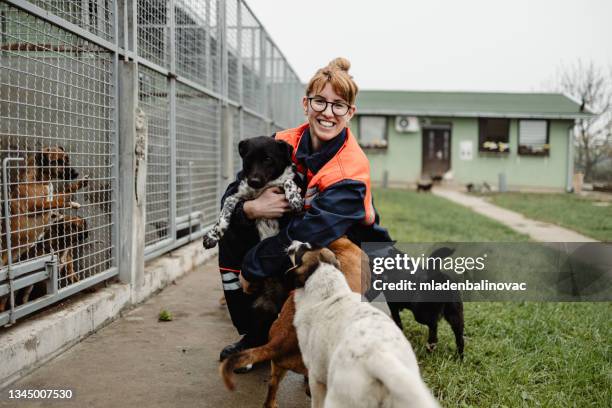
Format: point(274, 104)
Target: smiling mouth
point(326, 123)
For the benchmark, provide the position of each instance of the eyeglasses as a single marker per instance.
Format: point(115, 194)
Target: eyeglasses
point(319, 104)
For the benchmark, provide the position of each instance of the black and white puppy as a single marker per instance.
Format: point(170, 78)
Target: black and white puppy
point(266, 163)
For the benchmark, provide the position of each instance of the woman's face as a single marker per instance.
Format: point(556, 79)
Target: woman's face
point(326, 125)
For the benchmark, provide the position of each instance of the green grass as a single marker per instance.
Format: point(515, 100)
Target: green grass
point(517, 353)
point(585, 215)
point(414, 217)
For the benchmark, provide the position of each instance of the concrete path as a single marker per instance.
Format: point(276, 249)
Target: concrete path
point(137, 361)
point(537, 230)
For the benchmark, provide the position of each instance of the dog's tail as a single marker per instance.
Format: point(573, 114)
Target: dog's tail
point(242, 359)
point(405, 385)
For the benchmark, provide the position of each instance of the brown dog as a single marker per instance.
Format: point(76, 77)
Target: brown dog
point(63, 237)
point(34, 203)
point(282, 348)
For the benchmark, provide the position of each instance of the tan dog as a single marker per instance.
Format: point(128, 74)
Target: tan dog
point(282, 348)
point(34, 203)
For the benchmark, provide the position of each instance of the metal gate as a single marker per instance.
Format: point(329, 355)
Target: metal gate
point(59, 116)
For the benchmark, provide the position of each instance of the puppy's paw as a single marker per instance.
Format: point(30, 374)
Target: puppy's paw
point(75, 205)
point(209, 242)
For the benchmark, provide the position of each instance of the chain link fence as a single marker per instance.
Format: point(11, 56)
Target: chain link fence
point(59, 129)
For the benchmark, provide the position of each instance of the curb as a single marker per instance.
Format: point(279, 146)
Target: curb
point(37, 340)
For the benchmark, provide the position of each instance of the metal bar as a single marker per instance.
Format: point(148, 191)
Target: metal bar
point(207, 38)
point(239, 53)
point(190, 204)
point(52, 268)
point(152, 65)
point(172, 175)
point(205, 90)
point(185, 218)
point(115, 150)
point(7, 230)
point(176, 244)
point(30, 266)
point(172, 37)
point(30, 279)
point(222, 49)
point(163, 245)
point(47, 300)
point(60, 22)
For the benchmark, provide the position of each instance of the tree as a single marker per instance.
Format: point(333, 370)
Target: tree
point(591, 86)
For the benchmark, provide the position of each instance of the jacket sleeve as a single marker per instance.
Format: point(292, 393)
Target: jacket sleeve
point(331, 214)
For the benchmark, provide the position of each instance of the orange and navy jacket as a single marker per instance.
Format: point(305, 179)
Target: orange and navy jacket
point(338, 201)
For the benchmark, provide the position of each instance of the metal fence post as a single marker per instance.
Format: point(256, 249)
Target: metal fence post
point(172, 118)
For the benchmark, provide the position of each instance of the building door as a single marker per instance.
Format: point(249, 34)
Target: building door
point(436, 150)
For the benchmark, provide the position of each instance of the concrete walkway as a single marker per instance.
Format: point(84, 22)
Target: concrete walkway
point(537, 230)
point(137, 361)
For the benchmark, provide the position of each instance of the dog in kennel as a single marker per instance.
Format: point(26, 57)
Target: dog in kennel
point(35, 210)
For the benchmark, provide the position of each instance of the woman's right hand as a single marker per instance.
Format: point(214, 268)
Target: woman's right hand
point(271, 204)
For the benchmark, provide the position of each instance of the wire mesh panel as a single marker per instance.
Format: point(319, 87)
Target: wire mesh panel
point(251, 60)
point(197, 161)
point(56, 115)
point(154, 101)
point(196, 41)
point(153, 30)
point(95, 16)
point(254, 126)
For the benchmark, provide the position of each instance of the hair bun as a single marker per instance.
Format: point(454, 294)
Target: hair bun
point(340, 63)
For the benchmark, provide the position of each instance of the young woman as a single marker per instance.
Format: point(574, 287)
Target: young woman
point(338, 197)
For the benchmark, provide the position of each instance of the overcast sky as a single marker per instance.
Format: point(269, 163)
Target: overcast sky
point(480, 45)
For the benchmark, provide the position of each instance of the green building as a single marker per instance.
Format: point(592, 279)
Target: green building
point(468, 137)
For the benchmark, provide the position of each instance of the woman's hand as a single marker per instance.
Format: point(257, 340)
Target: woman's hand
point(271, 204)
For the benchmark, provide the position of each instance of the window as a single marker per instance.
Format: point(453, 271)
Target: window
point(533, 138)
point(373, 131)
point(494, 135)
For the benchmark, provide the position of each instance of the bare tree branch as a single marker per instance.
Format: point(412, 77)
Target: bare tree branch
point(591, 87)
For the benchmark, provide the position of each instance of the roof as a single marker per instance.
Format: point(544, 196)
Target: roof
point(469, 104)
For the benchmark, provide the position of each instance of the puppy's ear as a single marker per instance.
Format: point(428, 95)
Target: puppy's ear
point(328, 256)
point(243, 148)
point(285, 149)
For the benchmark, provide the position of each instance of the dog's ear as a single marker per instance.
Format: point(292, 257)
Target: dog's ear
point(243, 147)
point(328, 256)
point(285, 149)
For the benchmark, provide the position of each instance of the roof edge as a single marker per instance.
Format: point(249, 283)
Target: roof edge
point(517, 115)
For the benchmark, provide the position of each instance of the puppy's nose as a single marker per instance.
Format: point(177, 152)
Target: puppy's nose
point(255, 182)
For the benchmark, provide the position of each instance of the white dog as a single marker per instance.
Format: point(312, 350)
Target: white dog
point(355, 354)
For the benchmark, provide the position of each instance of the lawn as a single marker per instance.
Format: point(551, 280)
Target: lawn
point(517, 354)
point(585, 215)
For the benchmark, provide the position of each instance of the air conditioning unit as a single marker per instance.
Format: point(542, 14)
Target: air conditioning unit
point(406, 124)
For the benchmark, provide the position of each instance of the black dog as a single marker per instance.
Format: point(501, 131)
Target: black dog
point(265, 163)
point(428, 312)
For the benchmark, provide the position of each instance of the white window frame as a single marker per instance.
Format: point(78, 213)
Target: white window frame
point(373, 135)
